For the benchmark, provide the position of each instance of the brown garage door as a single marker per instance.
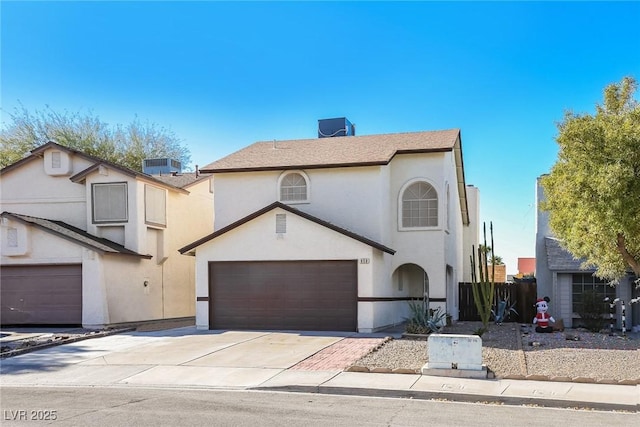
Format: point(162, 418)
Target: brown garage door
point(41, 294)
point(284, 295)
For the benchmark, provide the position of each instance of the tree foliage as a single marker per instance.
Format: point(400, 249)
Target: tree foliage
point(593, 190)
point(124, 145)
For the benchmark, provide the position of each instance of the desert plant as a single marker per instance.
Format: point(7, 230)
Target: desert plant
point(502, 310)
point(424, 320)
point(483, 284)
point(592, 311)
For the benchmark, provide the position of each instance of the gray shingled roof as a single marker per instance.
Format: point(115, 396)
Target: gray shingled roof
point(74, 234)
point(559, 259)
point(182, 180)
point(330, 152)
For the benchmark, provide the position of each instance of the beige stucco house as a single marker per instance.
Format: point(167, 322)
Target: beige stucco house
point(85, 241)
point(336, 233)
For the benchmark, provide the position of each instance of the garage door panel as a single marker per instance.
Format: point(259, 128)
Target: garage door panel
point(39, 294)
point(301, 295)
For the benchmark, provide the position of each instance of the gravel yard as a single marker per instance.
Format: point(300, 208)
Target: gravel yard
point(512, 350)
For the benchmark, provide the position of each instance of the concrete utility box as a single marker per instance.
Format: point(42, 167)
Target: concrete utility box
point(455, 355)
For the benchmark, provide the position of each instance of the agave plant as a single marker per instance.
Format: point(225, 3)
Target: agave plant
point(423, 320)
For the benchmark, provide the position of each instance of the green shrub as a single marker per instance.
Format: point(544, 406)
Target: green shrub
point(592, 311)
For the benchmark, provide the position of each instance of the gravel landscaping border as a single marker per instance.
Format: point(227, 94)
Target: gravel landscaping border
point(515, 351)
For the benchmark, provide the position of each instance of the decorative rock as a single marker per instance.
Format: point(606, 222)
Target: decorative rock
point(380, 370)
point(629, 382)
point(560, 379)
point(583, 380)
point(514, 377)
point(537, 377)
point(403, 371)
point(356, 368)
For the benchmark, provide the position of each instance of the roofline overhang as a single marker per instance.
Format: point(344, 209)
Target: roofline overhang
point(71, 239)
point(324, 165)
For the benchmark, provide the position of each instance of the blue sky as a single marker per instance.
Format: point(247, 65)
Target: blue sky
point(224, 75)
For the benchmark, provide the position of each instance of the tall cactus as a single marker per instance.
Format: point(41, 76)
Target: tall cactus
point(483, 289)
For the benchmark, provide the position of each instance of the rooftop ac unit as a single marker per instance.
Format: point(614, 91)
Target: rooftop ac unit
point(164, 166)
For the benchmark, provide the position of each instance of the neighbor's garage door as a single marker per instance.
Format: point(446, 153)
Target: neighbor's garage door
point(293, 295)
point(41, 294)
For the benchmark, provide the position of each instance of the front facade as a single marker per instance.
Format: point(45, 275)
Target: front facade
point(391, 209)
point(561, 277)
point(88, 242)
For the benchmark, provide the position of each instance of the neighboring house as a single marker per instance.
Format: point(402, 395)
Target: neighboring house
point(526, 267)
point(497, 273)
point(335, 233)
point(560, 277)
point(88, 242)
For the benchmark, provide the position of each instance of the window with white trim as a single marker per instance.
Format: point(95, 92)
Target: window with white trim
point(155, 205)
point(109, 202)
point(419, 206)
point(294, 188)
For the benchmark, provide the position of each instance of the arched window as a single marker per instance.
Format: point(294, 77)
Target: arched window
point(419, 206)
point(294, 187)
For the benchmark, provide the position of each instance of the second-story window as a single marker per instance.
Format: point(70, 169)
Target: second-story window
point(419, 206)
point(294, 187)
point(109, 202)
point(155, 205)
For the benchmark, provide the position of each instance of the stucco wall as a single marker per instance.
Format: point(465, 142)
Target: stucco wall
point(43, 248)
point(425, 248)
point(471, 234)
point(29, 190)
point(348, 197)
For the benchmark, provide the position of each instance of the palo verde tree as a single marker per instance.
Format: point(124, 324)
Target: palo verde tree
point(124, 145)
point(593, 190)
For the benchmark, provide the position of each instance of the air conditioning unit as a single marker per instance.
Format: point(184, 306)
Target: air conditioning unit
point(163, 166)
point(328, 128)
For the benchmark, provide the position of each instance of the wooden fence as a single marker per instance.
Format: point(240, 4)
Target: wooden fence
point(522, 294)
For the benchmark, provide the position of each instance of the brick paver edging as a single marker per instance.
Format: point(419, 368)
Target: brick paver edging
point(341, 354)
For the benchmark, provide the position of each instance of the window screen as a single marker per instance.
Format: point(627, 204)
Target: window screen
point(420, 206)
point(155, 205)
point(293, 187)
point(110, 202)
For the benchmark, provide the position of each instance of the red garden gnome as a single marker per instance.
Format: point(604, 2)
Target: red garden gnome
point(542, 318)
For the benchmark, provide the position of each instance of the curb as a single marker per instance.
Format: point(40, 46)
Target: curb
point(29, 349)
point(454, 397)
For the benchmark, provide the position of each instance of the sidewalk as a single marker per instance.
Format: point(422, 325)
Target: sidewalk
point(279, 361)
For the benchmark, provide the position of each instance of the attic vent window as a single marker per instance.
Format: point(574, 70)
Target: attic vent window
point(56, 161)
point(12, 237)
point(281, 223)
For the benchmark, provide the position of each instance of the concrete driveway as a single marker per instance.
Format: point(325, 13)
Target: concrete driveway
point(185, 357)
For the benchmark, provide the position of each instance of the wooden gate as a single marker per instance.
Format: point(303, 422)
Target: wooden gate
point(521, 295)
